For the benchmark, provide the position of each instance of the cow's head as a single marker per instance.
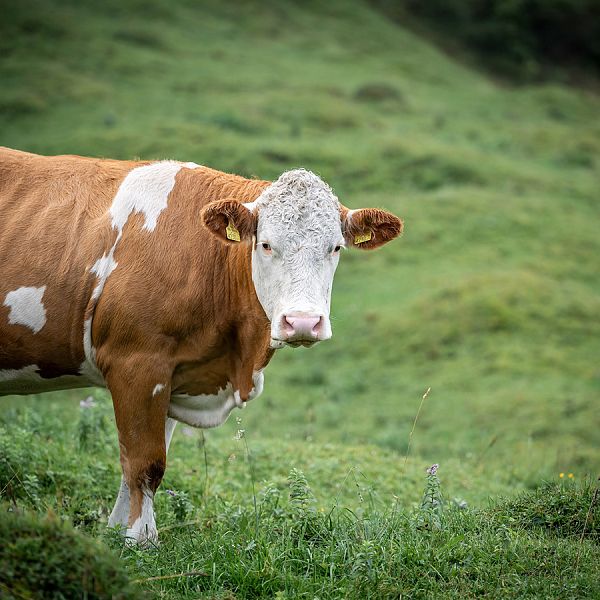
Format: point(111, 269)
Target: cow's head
point(297, 228)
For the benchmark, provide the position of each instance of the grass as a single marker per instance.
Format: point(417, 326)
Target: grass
point(491, 297)
point(365, 526)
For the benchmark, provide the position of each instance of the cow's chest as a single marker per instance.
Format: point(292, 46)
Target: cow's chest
point(211, 410)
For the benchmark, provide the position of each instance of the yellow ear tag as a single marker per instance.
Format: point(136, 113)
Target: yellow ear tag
point(232, 233)
point(363, 237)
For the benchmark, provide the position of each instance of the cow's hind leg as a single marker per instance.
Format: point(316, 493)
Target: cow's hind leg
point(141, 415)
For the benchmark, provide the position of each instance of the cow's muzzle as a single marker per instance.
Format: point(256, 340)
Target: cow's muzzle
point(302, 329)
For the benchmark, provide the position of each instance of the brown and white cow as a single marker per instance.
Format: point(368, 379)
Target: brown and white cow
point(170, 284)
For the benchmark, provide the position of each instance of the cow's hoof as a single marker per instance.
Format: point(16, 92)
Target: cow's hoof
point(143, 535)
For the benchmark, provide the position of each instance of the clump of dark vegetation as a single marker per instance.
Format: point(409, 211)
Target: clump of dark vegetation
point(562, 509)
point(377, 92)
point(46, 558)
point(523, 39)
point(139, 37)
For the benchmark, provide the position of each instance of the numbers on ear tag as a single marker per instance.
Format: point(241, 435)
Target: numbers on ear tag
point(363, 237)
point(232, 233)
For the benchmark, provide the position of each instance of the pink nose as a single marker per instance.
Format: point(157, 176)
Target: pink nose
point(303, 327)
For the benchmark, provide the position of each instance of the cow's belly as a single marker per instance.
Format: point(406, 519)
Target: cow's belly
point(28, 380)
point(211, 410)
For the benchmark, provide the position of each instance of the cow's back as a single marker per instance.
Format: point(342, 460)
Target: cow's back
point(53, 227)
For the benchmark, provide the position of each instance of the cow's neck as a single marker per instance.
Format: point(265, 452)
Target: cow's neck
point(253, 326)
point(233, 340)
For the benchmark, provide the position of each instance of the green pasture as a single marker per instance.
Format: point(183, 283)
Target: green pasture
point(491, 298)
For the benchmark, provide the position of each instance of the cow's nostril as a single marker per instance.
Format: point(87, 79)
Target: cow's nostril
point(318, 326)
point(288, 326)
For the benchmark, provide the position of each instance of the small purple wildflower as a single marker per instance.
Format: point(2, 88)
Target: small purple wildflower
point(433, 469)
point(172, 493)
point(89, 402)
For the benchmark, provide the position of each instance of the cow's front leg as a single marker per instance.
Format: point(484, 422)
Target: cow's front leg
point(141, 416)
point(120, 512)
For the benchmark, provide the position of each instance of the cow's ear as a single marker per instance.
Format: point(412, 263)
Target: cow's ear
point(369, 228)
point(229, 220)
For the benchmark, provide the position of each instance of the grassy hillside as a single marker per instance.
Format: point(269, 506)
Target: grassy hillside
point(491, 297)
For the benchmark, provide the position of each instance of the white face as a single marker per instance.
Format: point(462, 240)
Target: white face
point(297, 249)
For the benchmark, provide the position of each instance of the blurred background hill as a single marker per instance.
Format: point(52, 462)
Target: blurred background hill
point(523, 40)
point(464, 122)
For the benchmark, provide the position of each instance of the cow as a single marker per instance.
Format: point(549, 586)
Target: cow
point(170, 284)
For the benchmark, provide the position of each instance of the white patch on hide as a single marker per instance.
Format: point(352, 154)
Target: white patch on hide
point(211, 410)
point(27, 380)
point(102, 268)
point(88, 367)
point(28, 372)
point(238, 399)
point(158, 388)
point(143, 531)
point(120, 512)
point(26, 307)
point(144, 190)
point(251, 206)
point(170, 425)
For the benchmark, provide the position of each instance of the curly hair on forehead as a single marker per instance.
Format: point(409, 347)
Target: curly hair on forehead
point(300, 186)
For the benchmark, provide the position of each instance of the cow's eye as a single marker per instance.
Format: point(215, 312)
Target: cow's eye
point(266, 247)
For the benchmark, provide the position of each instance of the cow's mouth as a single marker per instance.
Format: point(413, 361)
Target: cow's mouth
point(278, 343)
point(305, 343)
